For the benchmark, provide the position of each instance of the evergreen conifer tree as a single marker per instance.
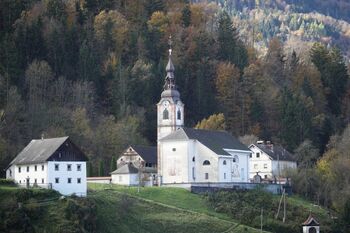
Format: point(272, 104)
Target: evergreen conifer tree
point(113, 165)
point(101, 169)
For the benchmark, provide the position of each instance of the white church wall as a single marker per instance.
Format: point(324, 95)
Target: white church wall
point(225, 169)
point(191, 158)
point(204, 153)
point(240, 165)
point(174, 161)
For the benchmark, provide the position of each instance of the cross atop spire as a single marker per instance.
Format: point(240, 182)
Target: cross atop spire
point(170, 43)
point(170, 78)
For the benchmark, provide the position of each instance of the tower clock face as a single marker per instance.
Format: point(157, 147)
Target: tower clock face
point(165, 103)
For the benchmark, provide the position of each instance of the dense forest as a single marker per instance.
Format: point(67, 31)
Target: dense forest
point(94, 70)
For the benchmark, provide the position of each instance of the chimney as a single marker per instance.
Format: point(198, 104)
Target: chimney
point(260, 142)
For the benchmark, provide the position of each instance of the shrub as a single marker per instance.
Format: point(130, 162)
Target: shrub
point(9, 182)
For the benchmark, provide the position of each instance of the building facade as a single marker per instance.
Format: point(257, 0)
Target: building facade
point(136, 166)
point(269, 161)
point(54, 163)
point(190, 155)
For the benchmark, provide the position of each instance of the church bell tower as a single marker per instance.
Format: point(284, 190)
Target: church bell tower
point(170, 109)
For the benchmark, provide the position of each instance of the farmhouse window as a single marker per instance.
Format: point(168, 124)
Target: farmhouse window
point(69, 167)
point(69, 180)
point(78, 167)
point(27, 168)
point(35, 168)
point(57, 167)
point(19, 169)
point(57, 180)
point(78, 180)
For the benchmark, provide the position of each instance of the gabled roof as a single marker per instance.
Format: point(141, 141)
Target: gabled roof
point(38, 150)
point(217, 141)
point(311, 221)
point(128, 168)
point(275, 152)
point(148, 153)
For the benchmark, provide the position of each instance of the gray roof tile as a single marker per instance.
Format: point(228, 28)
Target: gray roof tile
point(128, 168)
point(276, 152)
point(148, 153)
point(38, 151)
point(217, 141)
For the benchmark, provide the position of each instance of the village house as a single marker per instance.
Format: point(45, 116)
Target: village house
point(137, 165)
point(54, 163)
point(269, 161)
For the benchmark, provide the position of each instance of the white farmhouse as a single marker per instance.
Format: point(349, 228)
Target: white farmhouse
point(188, 156)
point(55, 163)
point(269, 160)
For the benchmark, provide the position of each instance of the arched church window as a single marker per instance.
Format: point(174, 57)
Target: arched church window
point(206, 162)
point(178, 114)
point(235, 159)
point(224, 163)
point(165, 114)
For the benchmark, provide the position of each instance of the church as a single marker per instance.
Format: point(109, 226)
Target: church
point(188, 156)
point(183, 156)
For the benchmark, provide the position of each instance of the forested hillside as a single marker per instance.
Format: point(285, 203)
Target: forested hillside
point(297, 23)
point(94, 70)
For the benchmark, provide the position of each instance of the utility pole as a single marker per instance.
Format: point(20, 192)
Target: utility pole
point(284, 210)
point(261, 219)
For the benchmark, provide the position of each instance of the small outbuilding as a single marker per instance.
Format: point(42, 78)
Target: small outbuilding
point(127, 174)
point(311, 225)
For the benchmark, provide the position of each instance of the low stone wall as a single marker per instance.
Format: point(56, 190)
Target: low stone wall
point(99, 180)
point(214, 187)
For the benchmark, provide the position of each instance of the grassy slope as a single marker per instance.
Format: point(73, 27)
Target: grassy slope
point(123, 210)
point(181, 198)
point(177, 211)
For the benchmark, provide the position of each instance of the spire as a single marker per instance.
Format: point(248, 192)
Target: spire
point(170, 78)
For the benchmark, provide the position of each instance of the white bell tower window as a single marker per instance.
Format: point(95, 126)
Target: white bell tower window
point(178, 114)
point(165, 114)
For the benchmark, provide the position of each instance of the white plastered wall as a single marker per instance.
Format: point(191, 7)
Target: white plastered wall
point(125, 179)
point(174, 161)
point(21, 177)
point(63, 174)
point(263, 164)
